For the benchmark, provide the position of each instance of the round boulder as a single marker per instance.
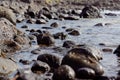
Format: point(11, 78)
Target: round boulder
point(64, 72)
point(52, 60)
point(40, 67)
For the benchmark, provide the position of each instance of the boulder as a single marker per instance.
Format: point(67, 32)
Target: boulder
point(8, 14)
point(64, 72)
point(11, 39)
point(90, 11)
point(83, 56)
point(52, 60)
point(40, 67)
point(7, 66)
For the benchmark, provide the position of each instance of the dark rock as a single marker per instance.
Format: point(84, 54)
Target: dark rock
point(68, 44)
point(25, 62)
point(85, 73)
point(47, 28)
point(107, 50)
point(26, 1)
point(64, 72)
point(45, 40)
point(84, 56)
point(74, 33)
point(99, 24)
point(40, 67)
point(31, 14)
point(32, 30)
point(110, 14)
point(90, 12)
point(72, 17)
point(59, 35)
point(40, 21)
point(55, 24)
point(25, 26)
point(19, 20)
point(69, 29)
point(117, 51)
point(52, 60)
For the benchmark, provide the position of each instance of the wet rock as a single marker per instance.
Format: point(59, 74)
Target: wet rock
point(7, 66)
point(99, 24)
point(55, 24)
point(90, 12)
point(32, 30)
point(36, 51)
point(52, 60)
point(47, 28)
point(39, 31)
point(25, 62)
point(85, 73)
point(60, 35)
point(110, 14)
point(117, 51)
point(74, 33)
point(31, 21)
point(26, 1)
point(68, 44)
point(40, 21)
point(19, 20)
point(107, 50)
point(64, 72)
point(31, 14)
point(8, 14)
point(24, 26)
point(40, 67)
point(69, 29)
point(84, 56)
point(47, 40)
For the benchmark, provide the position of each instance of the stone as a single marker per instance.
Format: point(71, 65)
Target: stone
point(8, 14)
point(69, 29)
point(40, 21)
point(40, 67)
point(99, 24)
point(64, 72)
point(84, 56)
point(107, 50)
point(60, 35)
point(110, 14)
point(55, 24)
point(68, 44)
point(36, 51)
point(85, 73)
point(74, 33)
point(7, 66)
point(53, 61)
point(90, 11)
point(24, 26)
point(46, 40)
point(117, 51)
point(25, 62)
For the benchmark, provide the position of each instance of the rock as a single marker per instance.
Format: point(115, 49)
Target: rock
point(52, 60)
point(60, 35)
point(31, 14)
point(40, 67)
point(68, 44)
point(84, 56)
point(102, 78)
point(117, 51)
point(55, 24)
point(99, 24)
point(25, 62)
point(74, 33)
point(85, 73)
point(107, 50)
point(19, 20)
point(31, 21)
point(110, 14)
point(26, 1)
point(7, 66)
point(8, 14)
point(90, 12)
point(64, 72)
point(36, 51)
point(47, 28)
point(24, 26)
point(69, 29)
point(47, 40)
point(12, 39)
point(40, 21)
point(73, 17)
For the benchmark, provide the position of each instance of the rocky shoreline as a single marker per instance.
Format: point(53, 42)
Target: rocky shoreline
point(78, 61)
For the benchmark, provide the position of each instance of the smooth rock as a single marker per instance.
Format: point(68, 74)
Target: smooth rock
point(68, 44)
point(64, 72)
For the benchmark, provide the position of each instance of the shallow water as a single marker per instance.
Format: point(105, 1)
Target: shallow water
point(89, 34)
